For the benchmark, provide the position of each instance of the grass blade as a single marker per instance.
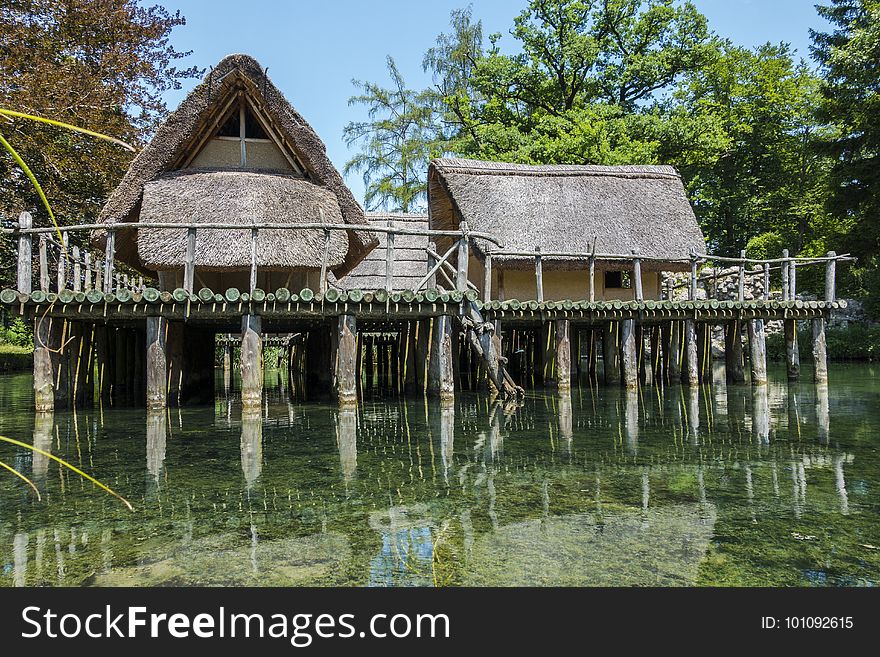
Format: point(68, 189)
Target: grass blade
point(68, 126)
point(70, 466)
point(23, 478)
point(30, 174)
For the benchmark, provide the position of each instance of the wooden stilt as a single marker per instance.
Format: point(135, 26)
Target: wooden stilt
point(820, 360)
point(47, 337)
point(792, 351)
point(692, 375)
point(611, 353)
point(157, 364)
point(562, 354)
point(757, 352)
point(673, 352)
point(251, 361)
point(629, 354)
point(733, 355)
point(345, 377)
point(441, 367)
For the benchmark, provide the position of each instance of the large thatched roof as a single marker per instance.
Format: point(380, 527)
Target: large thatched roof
point(237, 197)
point(410, 257)
point(185, 129)
point(563, 208)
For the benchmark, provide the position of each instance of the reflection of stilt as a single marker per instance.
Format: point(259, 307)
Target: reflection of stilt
point(19, 559)
point(251, 446)
point(631, 418)
point(761, 414)
point(822, 413)
point(840, 482)
point(693, 414)
point(447, 436)
point(565, 420)
point(156, 439)
point(346, 441)
point(44, 424)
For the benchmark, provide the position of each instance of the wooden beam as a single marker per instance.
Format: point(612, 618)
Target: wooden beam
point(461, 278)
point(830, 273)
point(25, 255)
point(345, 350)
point(157, 364)
point(251, 361)
point(757, 352)
point(637, 277)
point(629, 354)
point(487, 278)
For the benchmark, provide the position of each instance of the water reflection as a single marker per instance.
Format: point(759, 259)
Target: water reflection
point(665, 485)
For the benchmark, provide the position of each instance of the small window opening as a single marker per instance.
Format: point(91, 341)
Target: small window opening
point(617, 280)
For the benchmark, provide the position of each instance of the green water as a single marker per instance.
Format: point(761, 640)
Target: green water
point(721, 486)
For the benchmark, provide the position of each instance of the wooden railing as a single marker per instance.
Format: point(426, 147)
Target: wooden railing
point(79, 270)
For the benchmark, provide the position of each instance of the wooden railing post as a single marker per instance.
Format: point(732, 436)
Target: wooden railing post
point(692, 286)
point(44, 263)
point(389, 259)
point(539, 274)
point(792, 280)
point(62, 262)
point(189, 264)
point(110, 254)
point(637, 277)
point(25, 254)
point(785, 295)
point(461, 277)
point(88, 263)
point(487, 278)
point(830, 273)
point(766, 281)
point(253, 282)
point(431, 280)
point(77, 270)
point(741, 288)
point(592, 268)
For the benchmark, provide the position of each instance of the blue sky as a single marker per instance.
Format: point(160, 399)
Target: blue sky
point(314, 49)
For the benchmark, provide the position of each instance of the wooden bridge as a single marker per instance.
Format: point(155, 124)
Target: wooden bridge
point(106, 333)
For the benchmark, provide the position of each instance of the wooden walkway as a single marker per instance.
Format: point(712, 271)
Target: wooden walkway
point(105, 333)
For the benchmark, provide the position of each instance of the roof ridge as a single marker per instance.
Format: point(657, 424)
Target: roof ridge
point(486, 167)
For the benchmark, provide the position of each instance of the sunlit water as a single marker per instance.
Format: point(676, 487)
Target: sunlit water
point(674, 486)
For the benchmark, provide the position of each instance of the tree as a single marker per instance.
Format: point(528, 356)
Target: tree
point(397, 141)
point(850, 61)
point(99, 64)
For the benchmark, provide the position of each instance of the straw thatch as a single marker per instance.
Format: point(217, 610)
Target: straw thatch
point(238, 197)
point(184, 129)
point(410, 257)
point(563, 208)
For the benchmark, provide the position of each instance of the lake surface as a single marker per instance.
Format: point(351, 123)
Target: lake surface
point(667, 486)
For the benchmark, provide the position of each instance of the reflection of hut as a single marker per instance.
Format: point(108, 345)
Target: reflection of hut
point(410, 257)
point(563, 209)
point(236, 151)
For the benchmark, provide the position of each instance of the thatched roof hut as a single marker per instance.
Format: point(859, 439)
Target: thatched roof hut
point(564, 208)
point(410, 256)
point(235, 151)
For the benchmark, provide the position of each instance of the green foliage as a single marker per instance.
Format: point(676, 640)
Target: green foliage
point(850, 59)
point(765, 245)
point(855, 342)
point(396, 143)
point(16, 333)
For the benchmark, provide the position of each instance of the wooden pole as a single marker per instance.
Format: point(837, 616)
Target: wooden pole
point(157, 364)
point(539, 275)
point(692, 287)
point(792, 350)
point(487, 279)
point(253, 281)
point(77, 270)
point(691, 355)
point(461, 278)
point(733, 355)
point(47, 337)
point(830, 273)
point(592, 267)
point(629, 354)
point(345, 375)
point(62, 262)
point(189, 269)
point(251, 361)
point(766, 281)
point(389, 260)
point(25, 255)
point(637, 277)
point(88, 273)
point(441, 382)
point(757, 352)
point(820, 357)
point(109, 256)
point(741, 287)
point(44, 263)
point(611, 353)
point(784, 266)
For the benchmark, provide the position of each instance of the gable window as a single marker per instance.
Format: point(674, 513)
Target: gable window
point(243, 141)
